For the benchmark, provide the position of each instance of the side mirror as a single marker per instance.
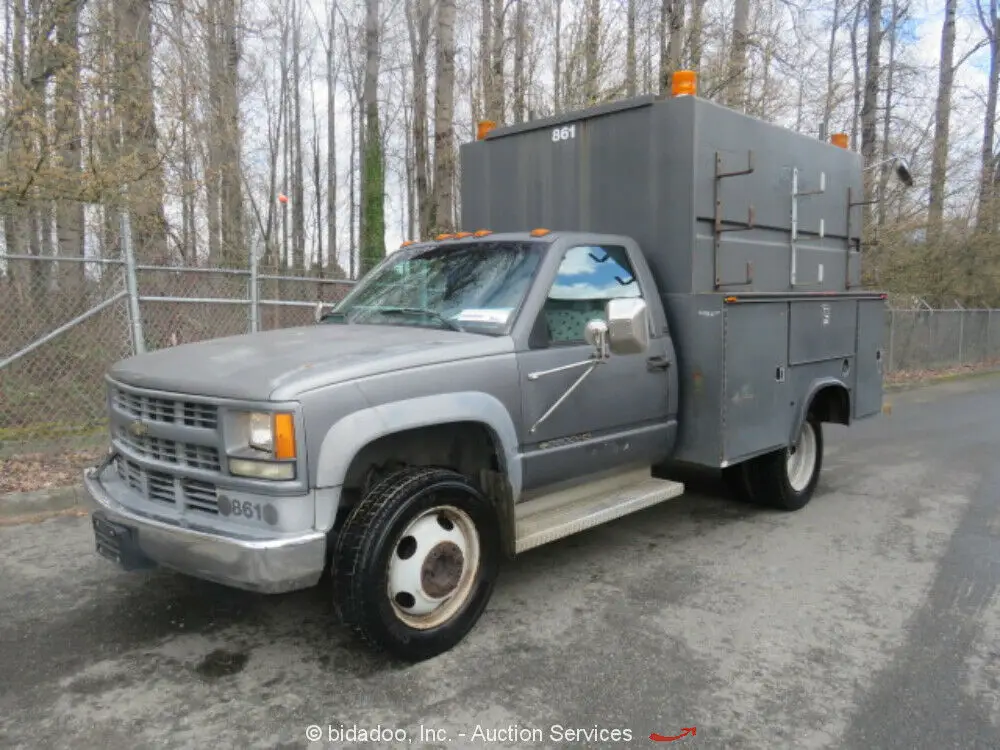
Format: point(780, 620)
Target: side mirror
point(627, 326)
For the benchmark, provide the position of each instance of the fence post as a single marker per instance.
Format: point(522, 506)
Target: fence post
point(892, 337)
point(961, 336)
point(254, 294)
point(989, 333)
point(138, 338)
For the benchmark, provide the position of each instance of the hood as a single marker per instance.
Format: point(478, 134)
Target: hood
point(283, 363)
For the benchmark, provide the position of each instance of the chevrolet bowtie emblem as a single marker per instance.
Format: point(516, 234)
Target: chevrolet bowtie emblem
point(138, 428)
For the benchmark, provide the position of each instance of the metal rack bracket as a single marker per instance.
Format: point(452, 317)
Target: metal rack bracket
point(718, 227)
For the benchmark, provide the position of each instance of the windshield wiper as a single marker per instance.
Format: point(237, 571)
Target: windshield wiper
point(420, 311)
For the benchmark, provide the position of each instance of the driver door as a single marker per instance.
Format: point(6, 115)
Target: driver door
point(619, 413)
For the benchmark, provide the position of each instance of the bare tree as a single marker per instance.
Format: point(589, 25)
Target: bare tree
point(736, 75)
point(444, 115)
point(373, 180)
point(519, 45)
point(135, 109)
point(986, 218)
point(942, 120)
point(419, 24)
point(869, 115)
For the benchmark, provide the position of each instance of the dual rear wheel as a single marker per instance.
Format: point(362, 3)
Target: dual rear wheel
point(784, 479)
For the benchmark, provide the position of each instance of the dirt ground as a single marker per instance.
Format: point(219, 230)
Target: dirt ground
point(46, 470)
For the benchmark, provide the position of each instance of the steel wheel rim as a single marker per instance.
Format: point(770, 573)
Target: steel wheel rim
point(801, 462)
point(433, 566)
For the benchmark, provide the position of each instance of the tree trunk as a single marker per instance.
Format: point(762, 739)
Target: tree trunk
point(869, 114)
point(736, 75)
point(883, 184)
point(135, 108)
point(831, 52)
point(696, 33)
point(419, 26)
point(519, 44)
point(557, 77)
point(485, 55)
point(373, 179)
point(497, 103)
point(69, 212)
point(986, 219)
point(331, 147)
point(942, 119)
point(675, 48)
point(591, 53)
point(234, 245)
point(443, 116)
point(298, 187)
point(630, 71)
point(856, 70)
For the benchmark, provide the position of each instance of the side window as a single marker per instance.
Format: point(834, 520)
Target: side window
point(588, 277)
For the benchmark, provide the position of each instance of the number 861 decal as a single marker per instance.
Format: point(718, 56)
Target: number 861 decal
point(565, 133)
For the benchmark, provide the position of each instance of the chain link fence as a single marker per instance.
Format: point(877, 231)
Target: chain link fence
point(65, 320)
point(932, 339)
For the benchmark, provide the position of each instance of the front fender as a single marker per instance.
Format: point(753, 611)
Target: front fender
point(803, 409)
point(352, 433)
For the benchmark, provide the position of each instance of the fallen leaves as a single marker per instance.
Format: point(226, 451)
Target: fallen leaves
point(916, 376)
point(27, 472)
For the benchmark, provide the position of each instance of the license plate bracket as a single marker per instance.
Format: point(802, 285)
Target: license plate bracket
point(119, 543)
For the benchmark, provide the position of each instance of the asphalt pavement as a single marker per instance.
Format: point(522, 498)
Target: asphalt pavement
point(870, 619)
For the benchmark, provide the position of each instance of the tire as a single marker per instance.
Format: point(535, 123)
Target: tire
point(787, 479)
point(388, 587)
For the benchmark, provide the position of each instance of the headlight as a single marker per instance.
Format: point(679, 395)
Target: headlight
point(263, 446)
point(261, 432)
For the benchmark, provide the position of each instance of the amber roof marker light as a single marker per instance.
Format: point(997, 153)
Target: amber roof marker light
point(483, 128)
point(840, 140)
point(539, 232)
point(684, 83)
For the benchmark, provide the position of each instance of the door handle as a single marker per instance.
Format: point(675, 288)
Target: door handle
point(657, 363)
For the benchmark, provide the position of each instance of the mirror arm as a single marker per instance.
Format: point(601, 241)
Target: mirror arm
point(542, 373)
point(593, 364)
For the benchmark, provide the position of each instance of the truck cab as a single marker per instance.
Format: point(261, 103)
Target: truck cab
point(482, 393)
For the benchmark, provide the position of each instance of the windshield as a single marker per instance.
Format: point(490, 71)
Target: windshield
point(475, 287)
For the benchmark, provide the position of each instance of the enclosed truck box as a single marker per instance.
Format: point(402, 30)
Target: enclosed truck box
point(751, 232)
point(638, 284)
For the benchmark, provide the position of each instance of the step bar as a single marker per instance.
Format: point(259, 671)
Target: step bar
point(559, 514)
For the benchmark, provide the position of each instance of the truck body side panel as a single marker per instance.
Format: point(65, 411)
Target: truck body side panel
point(756, 407)
point(871, 358)
point(696, 326)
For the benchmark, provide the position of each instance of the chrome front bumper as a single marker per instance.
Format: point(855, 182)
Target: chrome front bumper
point(270, 566)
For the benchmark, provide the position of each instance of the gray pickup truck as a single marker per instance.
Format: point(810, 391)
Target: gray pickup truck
point(691, 296)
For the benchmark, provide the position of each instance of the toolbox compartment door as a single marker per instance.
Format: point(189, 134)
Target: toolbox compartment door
point(871, 359)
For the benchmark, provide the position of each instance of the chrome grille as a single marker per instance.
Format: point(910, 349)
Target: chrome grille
point(155, 409)
point(170, 451)
point(164, 488)
point(200, 496)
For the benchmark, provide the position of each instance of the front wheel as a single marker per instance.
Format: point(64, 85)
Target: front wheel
point(787, 479)
point(416, 562)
